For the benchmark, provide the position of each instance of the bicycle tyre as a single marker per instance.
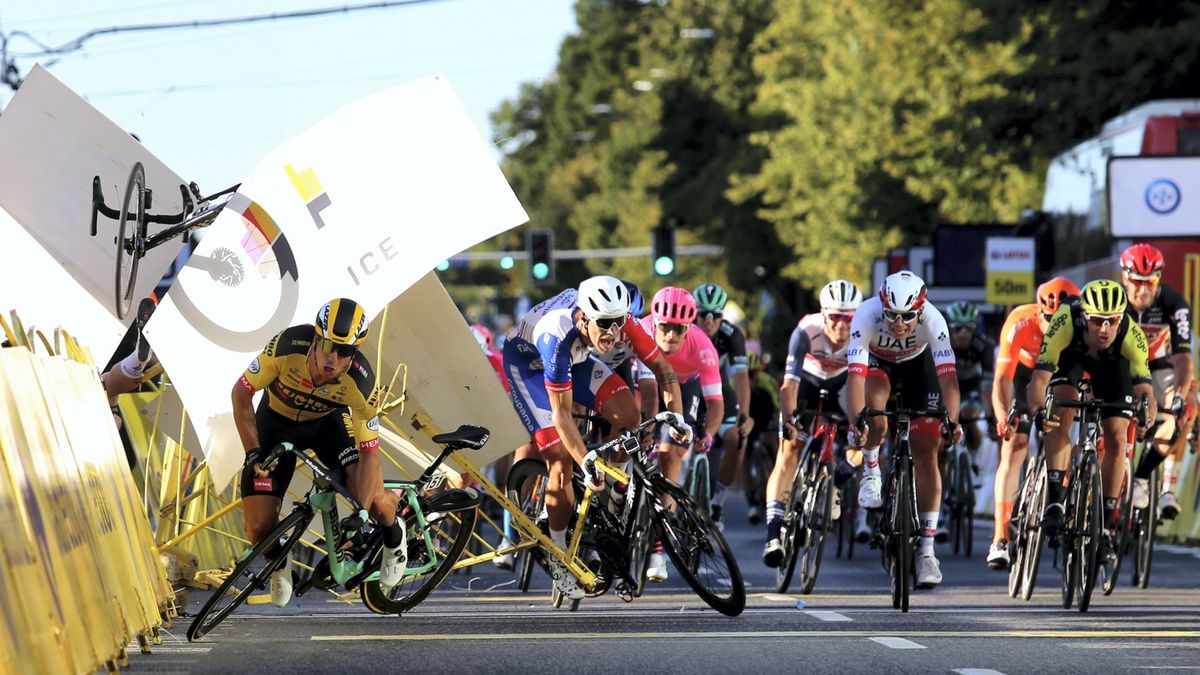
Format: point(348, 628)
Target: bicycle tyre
point(1089, 546)
point(1016, 565)
point(906, 528)
point(1110, 569)
point(793, 525)
point(643, 540)
point(285, 535)
point(135, 233)
point(1144, 554)
point(699, 483)
point(817, 528)
point(401, 599)
point(966, 504)
point(688, 535)
point(530, 497)
point(1034, 537)
point(849, 517)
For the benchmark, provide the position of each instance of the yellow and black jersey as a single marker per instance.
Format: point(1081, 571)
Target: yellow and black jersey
point(1065, 336)
point(282, 369)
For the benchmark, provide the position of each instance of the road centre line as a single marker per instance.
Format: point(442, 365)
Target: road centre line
point(708, 635)
point(896, 643)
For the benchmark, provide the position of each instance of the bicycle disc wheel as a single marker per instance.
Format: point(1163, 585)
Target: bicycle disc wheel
point(527, 489)
point(448, 532)
point(1032, 555)
point(251, 573)
point(1089, 544)
point(131, 237)
point(821, 502)
point(699, 551)
point(794, 528)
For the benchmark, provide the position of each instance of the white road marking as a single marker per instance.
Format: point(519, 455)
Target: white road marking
point(827, 616)
point(896, 643)
point(977, 671)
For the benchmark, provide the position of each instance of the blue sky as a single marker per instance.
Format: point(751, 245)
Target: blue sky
point(211, 102)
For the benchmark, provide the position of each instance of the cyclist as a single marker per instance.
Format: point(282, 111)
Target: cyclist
point(550, 368)
point(623, 362)
point(1092, 334)
point(321, 394)
point(899, 343)
point(694, 359)
point(126, 375)
point(975, 363)
point(1020, 342)
point(1165, 317)
point(816, 360)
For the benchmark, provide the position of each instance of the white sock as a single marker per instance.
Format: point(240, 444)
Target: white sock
point(860, 519)
point(929, 522)
point(559, 537)
point(132, 366)
point(871, 460)
point(718, 498)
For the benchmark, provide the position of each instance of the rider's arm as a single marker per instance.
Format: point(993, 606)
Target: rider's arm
point(739, 372)
point(1136, 349)
point(561, 401)
point(648, 352)
point(261, 372)
point(1181, 345)
point(944, 362)
point(1058, 336)
point(1006, 367)
point(710, 381)
point(989, 372)
point(647, 389)
point(862, 332)
point(799, 345)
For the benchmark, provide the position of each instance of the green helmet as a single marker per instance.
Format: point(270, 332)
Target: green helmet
point(962, 312)
point(710, 298)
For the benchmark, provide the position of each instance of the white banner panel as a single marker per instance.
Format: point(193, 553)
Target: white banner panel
point(360, 205)
point(1154, 196)
point(52, 143)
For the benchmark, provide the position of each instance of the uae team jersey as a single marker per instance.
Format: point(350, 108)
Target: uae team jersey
point(869, 336)
point(696, 357)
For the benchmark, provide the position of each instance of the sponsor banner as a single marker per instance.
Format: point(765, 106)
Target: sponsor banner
point(1010, 266)
point(1154, 196)
point(361, 205)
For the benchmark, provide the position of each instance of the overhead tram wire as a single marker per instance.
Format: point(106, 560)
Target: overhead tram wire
point(12, 78)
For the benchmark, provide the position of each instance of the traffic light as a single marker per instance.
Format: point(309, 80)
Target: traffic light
point(541, 255)
point(664, 251)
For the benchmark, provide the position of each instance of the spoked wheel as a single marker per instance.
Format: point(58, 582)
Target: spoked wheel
point(1089, 546)
point(1016, 549)
point(819, 507)
point(131, 237)
point(1033, 541)
point(794, 529)
point(431, 553)
point(699, 484)
point(643, 541)
point(966, 506)
point(1110, 566)
point(252, 573)
point(699, 551)
point(901, 526)
point(527, 489)
point(849, 517)
point(1146, 530)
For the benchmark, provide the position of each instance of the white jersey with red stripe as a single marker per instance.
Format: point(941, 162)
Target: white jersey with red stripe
point(817, 357)
point(869, 336)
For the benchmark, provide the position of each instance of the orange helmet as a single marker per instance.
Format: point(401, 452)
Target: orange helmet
point(1054, 292)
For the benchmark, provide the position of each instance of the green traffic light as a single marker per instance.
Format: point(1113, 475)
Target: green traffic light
point(443, 266)
point(506, 262)
point(541, 270)
point(664, 266)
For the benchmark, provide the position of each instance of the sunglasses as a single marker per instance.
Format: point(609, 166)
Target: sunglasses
point(891, 316)
point(709, 316)
point(963, 328)
point(609, 324)
point(677, 328)
point(1099, 321)
point(345, 351)
point(1138, 281)
point(836, 317)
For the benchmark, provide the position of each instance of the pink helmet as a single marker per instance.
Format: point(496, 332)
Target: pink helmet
point(673, 305)
point(482, 334)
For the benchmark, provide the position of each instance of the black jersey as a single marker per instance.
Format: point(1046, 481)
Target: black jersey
point(975, 364)
point(1167, 323)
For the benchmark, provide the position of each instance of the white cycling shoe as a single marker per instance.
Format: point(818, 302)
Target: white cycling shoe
point(929, 571)
point(391, 568)
point(870, 492)
point(564, 581)
point(657, 570)
point(1141, 493)
point(281, 584)
point(835, 512)
point(997, 558)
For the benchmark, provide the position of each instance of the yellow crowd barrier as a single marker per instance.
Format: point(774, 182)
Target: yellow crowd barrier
point(80, 574)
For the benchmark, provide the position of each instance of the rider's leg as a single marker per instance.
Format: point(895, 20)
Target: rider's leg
point(1112, 464)
point(560, 497)
point(733, 454)
point(924, 443)
point(1057, 442)
point(779, 484)
point(1008, 476)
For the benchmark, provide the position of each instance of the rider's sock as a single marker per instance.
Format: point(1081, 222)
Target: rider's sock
point(1170, 475)
point(1054, 480)
point(1110, 512)
point(929, 521)
point(132, 366)
point(774, 519)
point(393, 535)
point(860, 519)
point(718, 497)
point(871, 460)
point(1150, 462)
point(559, 537)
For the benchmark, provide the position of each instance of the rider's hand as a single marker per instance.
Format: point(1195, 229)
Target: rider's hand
point(254, 457)
point(592, 475)
point(1048, 423)
point(789, 431)
point(744, 424)
point(1003, 430)
point(856, 435)
point(675, 426)
point(954, 433)
point(705, 444)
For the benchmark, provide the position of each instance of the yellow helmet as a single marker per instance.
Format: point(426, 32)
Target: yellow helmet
point(1103, 297)
point(342, 322)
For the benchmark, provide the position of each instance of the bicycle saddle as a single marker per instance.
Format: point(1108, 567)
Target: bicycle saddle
point(466, 436)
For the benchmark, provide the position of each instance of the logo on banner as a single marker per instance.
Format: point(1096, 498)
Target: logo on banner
point(1163, 196)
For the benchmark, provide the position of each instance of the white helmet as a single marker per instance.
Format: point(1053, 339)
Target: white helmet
point(603, 298)
point(840, 296)
point(903, 292)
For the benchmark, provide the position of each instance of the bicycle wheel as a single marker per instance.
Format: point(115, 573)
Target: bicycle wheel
point(643, 540)
point(131, 237)
point(900, 522)
point(819, 508)
point(966, 505)
point(251, 573)
point(699, 484)
point(794, 528)
point(699, 551)
point(451, 521)
point(1110, 567)
point(1090, 545)
point(1034, 540)
point(1148, 530)
point(527, 489)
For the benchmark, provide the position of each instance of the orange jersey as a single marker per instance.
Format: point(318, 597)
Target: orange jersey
point(1020, 340)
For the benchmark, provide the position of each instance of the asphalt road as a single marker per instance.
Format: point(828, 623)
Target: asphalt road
point(478, 622)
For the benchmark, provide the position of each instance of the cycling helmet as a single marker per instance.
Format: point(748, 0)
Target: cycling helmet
point(342, 322)
point(603, 297)
point(673, 305)
point(483, 335)
point(710, 298)
point(1142, 261)
point(637, 304)
point(1103, 297)
point(962, 312)
point(840, 296)
point(903, 292)
point(1054, 293)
